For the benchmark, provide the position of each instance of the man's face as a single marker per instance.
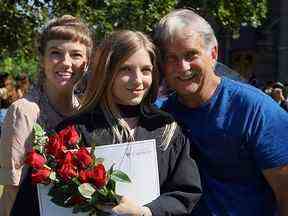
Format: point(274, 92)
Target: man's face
point(277, 94)
point(187, 64)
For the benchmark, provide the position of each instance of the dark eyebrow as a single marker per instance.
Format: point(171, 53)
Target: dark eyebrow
point(57, 48)
point(147, 66)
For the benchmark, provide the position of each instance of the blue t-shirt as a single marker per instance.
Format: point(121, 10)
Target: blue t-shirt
point(237, 133)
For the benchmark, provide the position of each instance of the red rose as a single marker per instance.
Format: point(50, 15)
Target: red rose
point(67, 168)
point(67, 157)
point(67, 171)
point(41, 175)
point(35, 160)
point(55, 145)
point(70, 135)
point(85, 176)
point(84, 159)
point(99, 176)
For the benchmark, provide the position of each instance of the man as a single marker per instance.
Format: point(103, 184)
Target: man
point(240, 133)
point(278, 95)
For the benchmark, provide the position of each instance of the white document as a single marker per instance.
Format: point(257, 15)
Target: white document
point(137, 159)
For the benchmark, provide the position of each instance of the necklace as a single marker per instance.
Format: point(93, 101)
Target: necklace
point(128, 111)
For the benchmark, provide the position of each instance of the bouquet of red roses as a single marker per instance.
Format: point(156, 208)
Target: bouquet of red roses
point(78, 179)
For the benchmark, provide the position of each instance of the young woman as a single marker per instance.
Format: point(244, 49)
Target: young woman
point(64, 47)
point(120, 109)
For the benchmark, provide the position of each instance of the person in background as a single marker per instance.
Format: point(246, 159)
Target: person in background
point(268, 87)
point(120, 109)
point(22, 85)
point(7, 95)
point(240, 134)
point(278, 95)
point(64, 46)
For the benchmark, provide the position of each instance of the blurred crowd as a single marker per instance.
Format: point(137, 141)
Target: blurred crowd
point(279, 92)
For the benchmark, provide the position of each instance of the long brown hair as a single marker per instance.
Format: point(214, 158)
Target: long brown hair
point(110, 54)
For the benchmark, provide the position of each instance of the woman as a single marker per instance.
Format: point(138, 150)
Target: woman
point(22, 85)
point(64, 50)
point(119, 109)
point(7, 95)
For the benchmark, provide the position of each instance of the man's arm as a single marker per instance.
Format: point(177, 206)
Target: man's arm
point(278, 180)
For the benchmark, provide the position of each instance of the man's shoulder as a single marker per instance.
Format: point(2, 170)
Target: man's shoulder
point(169, 102)
point(244, 93)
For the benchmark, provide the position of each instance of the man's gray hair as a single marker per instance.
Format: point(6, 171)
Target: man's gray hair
point(169, 26)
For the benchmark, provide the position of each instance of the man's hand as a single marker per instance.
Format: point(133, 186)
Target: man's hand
point(278, 180)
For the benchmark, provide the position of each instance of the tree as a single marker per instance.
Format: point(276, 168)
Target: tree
point(107, 15)
point(21, 19)
point(230, 14)
point(18, 21)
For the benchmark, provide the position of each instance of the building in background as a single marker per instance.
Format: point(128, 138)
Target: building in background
point(260, 53)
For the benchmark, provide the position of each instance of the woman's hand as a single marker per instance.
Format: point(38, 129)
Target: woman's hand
point(127, 207)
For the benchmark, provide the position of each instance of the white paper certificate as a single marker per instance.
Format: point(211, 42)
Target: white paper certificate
point(137, 159)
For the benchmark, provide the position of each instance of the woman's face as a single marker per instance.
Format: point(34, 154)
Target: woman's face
point(64, 62)
point(133, 79)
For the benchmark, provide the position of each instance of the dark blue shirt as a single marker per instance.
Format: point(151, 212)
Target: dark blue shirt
point(238, 133)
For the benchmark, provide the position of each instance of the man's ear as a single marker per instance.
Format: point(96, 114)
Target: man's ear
point(214, 53)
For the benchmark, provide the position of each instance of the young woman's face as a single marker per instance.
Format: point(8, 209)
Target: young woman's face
point(64, 62)
point(133, 79)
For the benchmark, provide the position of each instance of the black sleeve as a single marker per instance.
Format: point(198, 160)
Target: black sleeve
point(181, 186)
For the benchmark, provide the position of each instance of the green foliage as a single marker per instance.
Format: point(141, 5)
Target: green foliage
point(107, 15)
point(20, 20)
point(40, 138)
point(230, 14)
point(20, 63)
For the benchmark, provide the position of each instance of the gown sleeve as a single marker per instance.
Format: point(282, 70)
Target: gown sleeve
point(179, 178)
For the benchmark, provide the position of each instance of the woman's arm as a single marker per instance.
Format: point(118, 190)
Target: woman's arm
point(16, 130)
point(7, 199)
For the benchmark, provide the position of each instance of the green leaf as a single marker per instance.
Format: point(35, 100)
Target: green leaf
point(111, 185)
point(86, 190)
point(103, 192)
point(120, 176)
point(110, 171)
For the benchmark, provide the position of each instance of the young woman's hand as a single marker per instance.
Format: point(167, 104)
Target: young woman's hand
point(127, 207)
